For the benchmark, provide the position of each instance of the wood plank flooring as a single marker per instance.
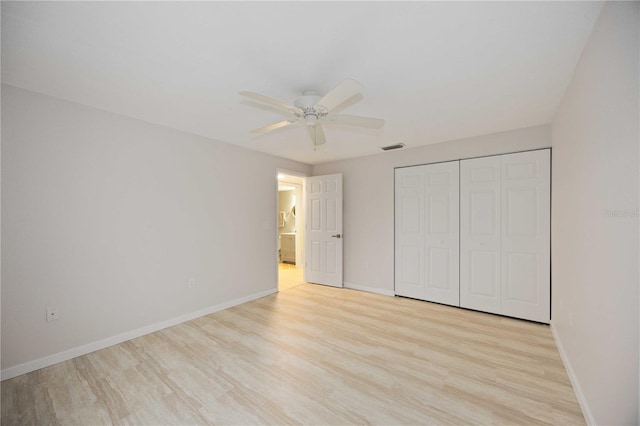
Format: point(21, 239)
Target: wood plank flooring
point(289, 276)
point(311, 355)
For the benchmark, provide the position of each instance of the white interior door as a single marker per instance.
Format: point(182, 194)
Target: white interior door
point(526, 235)
point(323, 236)
point(480, 252)
point(427, 232)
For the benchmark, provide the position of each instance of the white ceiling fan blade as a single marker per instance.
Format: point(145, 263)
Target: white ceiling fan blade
point(271, 101)
point(271, 127)
point(339, 94)
point(317, 135)
point(355, 120)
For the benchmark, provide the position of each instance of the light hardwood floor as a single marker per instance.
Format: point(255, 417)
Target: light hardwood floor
point(311, 355)
point(289, 276)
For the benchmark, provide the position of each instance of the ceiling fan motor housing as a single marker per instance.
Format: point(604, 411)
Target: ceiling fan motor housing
point(307, 104)
point(308, 99)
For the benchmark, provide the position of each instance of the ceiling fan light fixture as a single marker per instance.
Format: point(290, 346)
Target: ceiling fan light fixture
point(310, 119)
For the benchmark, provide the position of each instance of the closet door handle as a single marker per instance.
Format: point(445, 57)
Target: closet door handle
point(337, 236)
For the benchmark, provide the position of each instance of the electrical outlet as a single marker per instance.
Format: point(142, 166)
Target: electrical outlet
point(192, 283)
point(52, 314)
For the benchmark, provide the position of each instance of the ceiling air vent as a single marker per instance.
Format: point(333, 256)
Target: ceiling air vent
point(390, 147)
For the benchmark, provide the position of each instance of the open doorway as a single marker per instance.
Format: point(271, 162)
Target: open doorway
point(290, 225)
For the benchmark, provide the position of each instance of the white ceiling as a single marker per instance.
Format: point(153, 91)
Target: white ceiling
point(435, 71)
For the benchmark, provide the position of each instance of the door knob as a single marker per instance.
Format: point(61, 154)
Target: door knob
point(337, 236)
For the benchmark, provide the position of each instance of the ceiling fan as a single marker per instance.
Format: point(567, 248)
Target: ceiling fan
point(314, 110)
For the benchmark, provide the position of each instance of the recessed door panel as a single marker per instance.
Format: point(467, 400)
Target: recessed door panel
point(332, 215)
point(316, 248)
point(315, 187)
point(411, 265)
point(439, 215)
point(439, 178)
point(410, 282)
point(482, 174)
point(482, 205)
point(522, 210)
point(410, 214)
point(331, 257)
point(521, 169)
point(521, 282)
point(315, 215)
point(483, 274)
point(439, 266)
point(410, 181)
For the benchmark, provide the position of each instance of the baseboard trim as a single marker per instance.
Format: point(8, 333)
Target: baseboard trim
point(586, 411)
point(46, 361)
point(369, 289)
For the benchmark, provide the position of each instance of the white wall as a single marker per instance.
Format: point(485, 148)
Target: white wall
point(595, 257)
point(368, 197)
point(107, 218)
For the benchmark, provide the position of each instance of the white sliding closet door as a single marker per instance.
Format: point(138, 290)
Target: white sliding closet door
point(526, 235)
point(480, 254)
point(427, 232)
point(505, 235)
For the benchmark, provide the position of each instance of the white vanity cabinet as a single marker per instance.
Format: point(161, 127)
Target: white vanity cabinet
point(288, 248)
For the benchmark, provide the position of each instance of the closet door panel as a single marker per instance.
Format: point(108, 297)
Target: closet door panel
point(409, 232)
point(441, 249)
point(480, 183)
point(526, 235)
point(427, 232)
